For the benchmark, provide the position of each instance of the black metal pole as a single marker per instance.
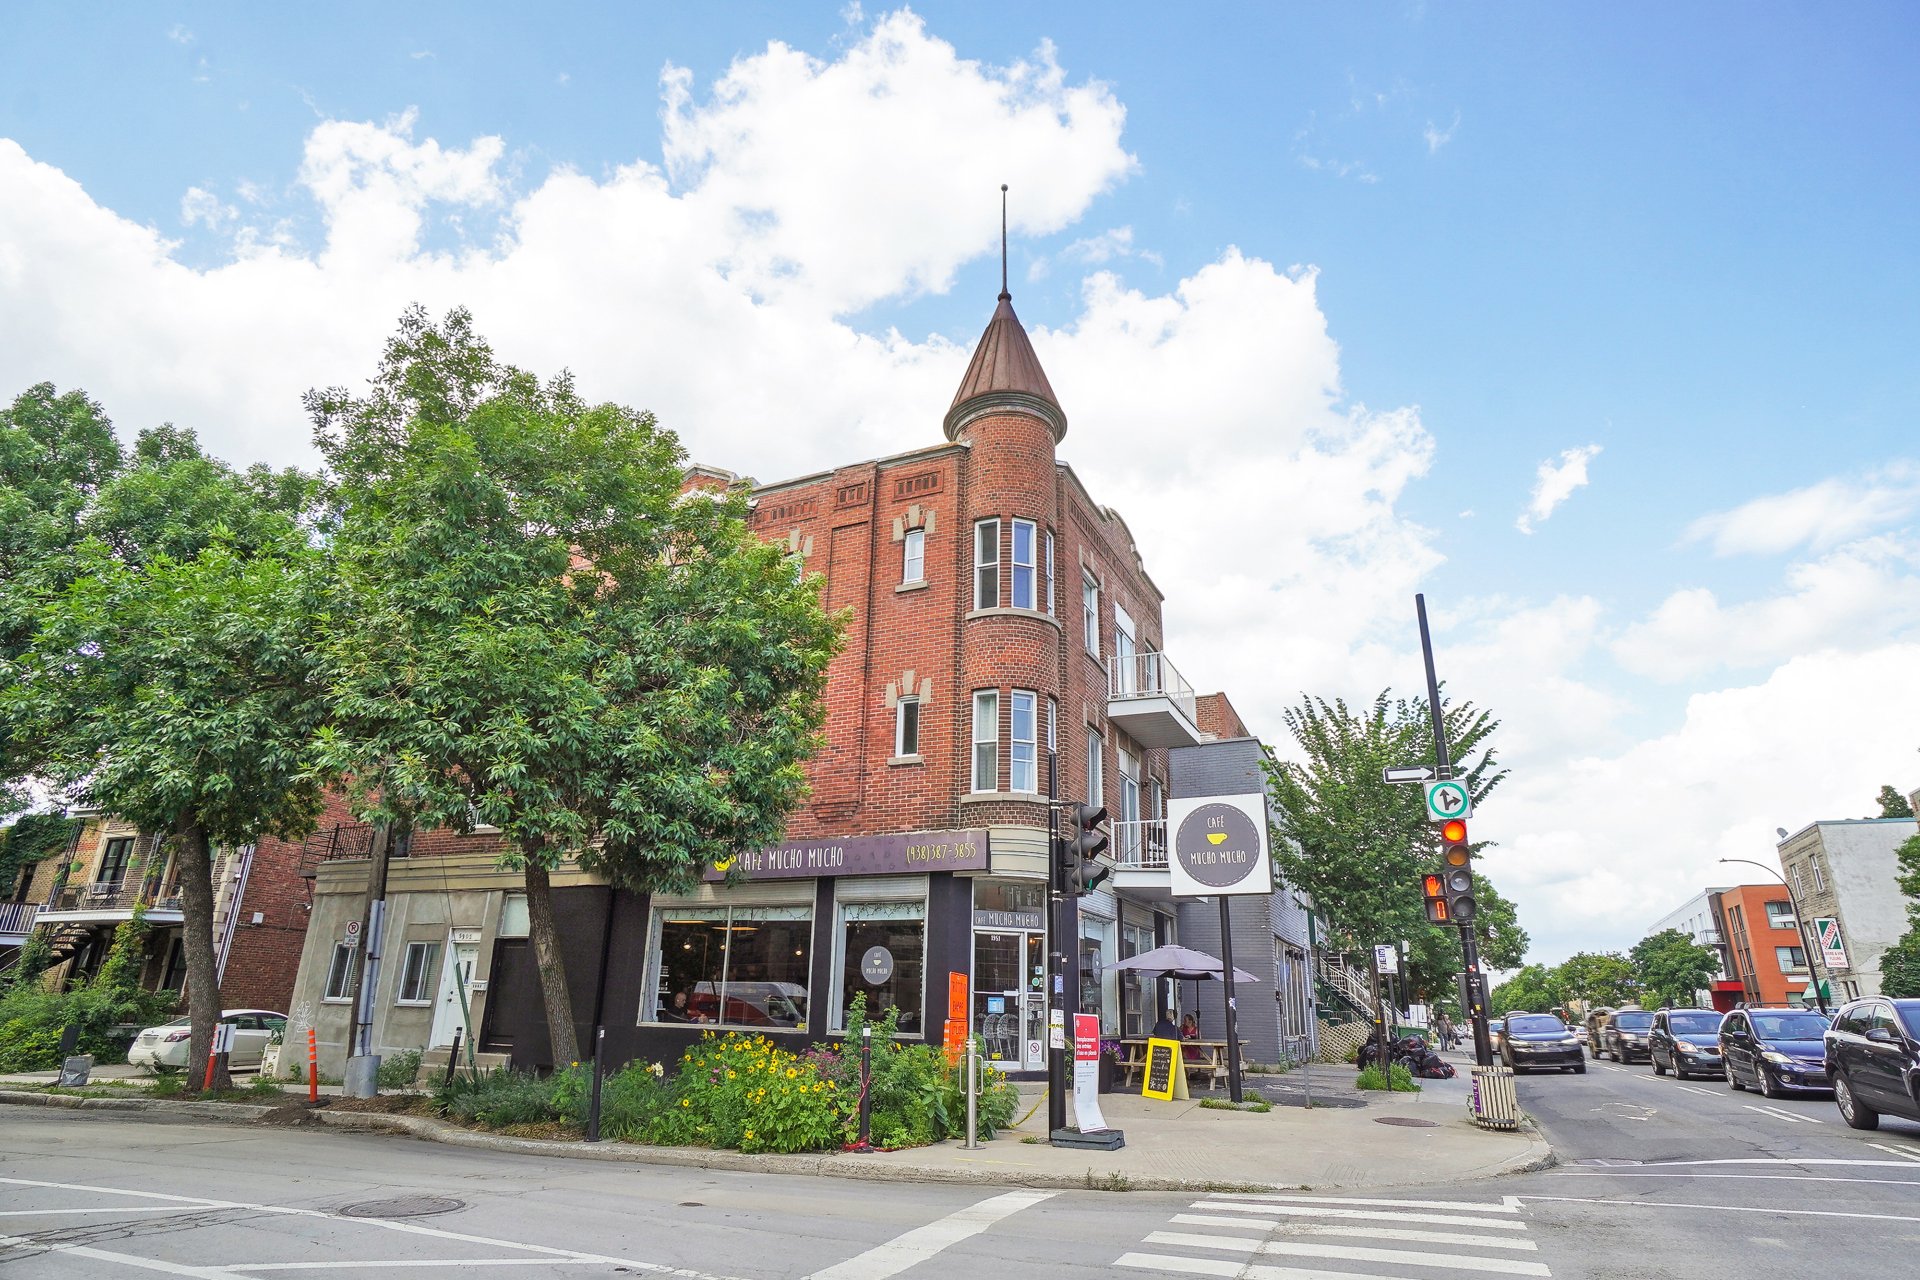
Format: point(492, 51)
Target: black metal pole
point(1226, 976)
point(593, 1101)
point(1056, 953)
point(453, 1057)
point(1469, 945)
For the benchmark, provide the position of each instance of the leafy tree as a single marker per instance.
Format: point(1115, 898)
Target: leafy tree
point(170, 678)
point(1435, 954)
point(1893, 804)
point(1596, 978)
point(536, 629)
point(32, 838)
point(1900, 963)
point(1670, 966)
point(1359, 845)
point(1532, 990)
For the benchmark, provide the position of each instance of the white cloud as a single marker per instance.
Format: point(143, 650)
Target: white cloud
point(1601, 847)
point(1554, 483)
point(1437, 137)
point(1858, 596)
point(179, 34)
point(1821, 515)
point(202, 207)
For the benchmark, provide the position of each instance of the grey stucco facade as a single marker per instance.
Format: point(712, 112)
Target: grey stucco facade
point(1845, 869)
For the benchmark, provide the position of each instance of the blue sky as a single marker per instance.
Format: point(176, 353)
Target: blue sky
point(1387, 261)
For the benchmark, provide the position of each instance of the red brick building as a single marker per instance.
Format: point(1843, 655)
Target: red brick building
point(1766, 955)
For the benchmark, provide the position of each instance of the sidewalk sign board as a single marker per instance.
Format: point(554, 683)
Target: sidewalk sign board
point(1086, 1073)
point(1165, 1078)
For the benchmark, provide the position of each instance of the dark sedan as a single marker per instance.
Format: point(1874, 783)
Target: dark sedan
point(1777, 1051)
point(1873, 1054)
point(1530, 1040)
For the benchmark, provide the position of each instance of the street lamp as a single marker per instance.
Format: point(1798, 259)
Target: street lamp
point(1800, 925)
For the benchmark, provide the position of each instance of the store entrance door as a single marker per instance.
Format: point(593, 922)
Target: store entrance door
point(1010, 998)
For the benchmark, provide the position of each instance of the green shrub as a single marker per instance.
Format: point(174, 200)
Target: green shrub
point(1400, 1081)
point(746, 1092)
point(917, 1096)
point(398, 1071)
point(501, 1097)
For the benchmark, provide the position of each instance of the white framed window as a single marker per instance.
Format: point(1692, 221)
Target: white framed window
point(1790, 959)
point(419, 969)
point(1048, 565)
point(1780, 915)
point(1024, 532)
point(906, 727)
point(1096, 792)
point(1798, 886)
point(913, 557)
point(986, 740)
point(1090, 613)
point(986, 564)
point(1023, 766)
point(1126, 671)
point(1126, 828)
point(346, 960)
point(744, 964)
point(1819, 876)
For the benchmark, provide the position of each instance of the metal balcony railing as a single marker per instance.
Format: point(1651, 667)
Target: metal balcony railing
point(17, 917)
point(1149, 675)
point(1140, 845)
point(1710, 937)
point(111, 895)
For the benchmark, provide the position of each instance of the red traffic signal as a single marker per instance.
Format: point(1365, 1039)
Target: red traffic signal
point(1456, 874)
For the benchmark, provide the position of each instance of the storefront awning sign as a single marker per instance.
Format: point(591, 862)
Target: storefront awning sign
point(1219, 845)
point(895, 853)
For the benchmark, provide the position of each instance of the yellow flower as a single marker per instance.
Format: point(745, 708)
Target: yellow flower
point(729, 1073)
point(791, 1073)
point(686, 1102)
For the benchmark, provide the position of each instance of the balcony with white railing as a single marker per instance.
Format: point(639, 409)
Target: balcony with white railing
point(1140, 846)
point(16, 921)
point(1150, 701)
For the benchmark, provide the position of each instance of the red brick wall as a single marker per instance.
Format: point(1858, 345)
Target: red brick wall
point(1218, 718)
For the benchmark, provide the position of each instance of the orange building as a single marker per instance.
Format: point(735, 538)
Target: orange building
point(1766, 954)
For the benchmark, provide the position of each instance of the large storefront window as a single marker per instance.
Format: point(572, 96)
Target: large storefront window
point(1099, 980)
point(883, 949)
point(733, 966)
point(1136, 990)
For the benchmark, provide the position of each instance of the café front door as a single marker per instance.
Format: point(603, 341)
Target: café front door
point(1010, 997)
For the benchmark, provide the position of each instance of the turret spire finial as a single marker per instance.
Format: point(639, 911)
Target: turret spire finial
point(1004, 295)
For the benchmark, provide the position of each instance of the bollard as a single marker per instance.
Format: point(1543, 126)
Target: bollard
point(593, 1102)
point(313, 1065)
point(865, 1142)
point(973, 1095)
point(453, 1058)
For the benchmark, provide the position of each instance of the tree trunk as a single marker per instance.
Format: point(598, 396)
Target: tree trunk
point(203, 983)
point(553, 971)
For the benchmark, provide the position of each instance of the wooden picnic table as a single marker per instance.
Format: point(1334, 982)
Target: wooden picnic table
point(1197, 1056)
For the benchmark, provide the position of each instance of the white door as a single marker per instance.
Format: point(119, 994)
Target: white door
point(456, 984)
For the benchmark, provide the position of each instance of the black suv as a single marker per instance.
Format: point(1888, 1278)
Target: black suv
point(1873, 1055)
point(1777, 1050)
point(1685, 1042)
point(1625, 1035)
point(1529, 1040)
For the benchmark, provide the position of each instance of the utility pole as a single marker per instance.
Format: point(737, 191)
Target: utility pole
point(363, 1064)
point(1469, 945)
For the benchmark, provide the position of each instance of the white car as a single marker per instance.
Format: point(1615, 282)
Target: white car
point(166, 1046)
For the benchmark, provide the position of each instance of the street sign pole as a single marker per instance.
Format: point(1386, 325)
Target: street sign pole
point(1056, 957)
point(1469, 945)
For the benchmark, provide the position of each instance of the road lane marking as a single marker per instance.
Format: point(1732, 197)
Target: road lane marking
point(921, 1243)
point(108, 1255)
point(1352, 1253)
point(1898, 1151)
point(1364, 1233)
point(1467, 1206)
point(1754, 1177)
point(1705, 1093)
point(1733, 1208)
point(1778, 1114)
point(1362, 1215)
point(119, 1209)
point(1235, 1269)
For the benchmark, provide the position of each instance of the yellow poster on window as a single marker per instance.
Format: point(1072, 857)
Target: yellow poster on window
point(1165, 1077)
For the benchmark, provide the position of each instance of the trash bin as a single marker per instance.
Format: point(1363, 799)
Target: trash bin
point(1493, 1102)
point(1109, 1070)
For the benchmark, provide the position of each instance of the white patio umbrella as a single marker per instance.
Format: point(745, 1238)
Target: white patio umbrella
point(1183, 962)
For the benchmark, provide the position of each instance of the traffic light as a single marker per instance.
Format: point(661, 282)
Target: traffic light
point(1434, 886)
point(1082, 872)
point(1456, 873)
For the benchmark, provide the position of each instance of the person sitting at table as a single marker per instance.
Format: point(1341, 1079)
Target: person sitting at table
point(1164, 1029)
point(1190, 1030)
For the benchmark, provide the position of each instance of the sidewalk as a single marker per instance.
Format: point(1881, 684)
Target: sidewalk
point(1393, 1140)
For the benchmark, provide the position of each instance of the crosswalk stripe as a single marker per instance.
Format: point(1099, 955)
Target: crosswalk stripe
point(1363, 1215)
point(1351, 1253)
point(1465, 1206)
point(1235, 1268)
point(1364, 1233)
point(1238, 1270)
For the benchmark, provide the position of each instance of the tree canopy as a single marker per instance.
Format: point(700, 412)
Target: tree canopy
point(535, 628)
point(1900, 963)
point(1670, 966)
point(1893, 804)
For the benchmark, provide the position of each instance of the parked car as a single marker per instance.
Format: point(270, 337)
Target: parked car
point(165, 1047)
point(1529, 1040)
point(1625, 1036)
point(1776, 1050)
point(1685, 1042)
point(1873, 1057)
point(1596, 1027)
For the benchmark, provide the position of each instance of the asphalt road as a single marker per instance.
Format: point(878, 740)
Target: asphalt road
point(1659, 1180)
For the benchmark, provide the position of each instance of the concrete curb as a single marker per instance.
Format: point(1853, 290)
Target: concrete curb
point(834, 1165)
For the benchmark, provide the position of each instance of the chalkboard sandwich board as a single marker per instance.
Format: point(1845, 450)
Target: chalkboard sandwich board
point(1165, 1078)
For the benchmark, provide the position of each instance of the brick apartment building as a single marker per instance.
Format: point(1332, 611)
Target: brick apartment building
point(997, 612)
point(1761, 944)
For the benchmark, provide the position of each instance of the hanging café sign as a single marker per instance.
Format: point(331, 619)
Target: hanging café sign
point(896, 853)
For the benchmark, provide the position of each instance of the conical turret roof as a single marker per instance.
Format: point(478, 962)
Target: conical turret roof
point(1005, 375)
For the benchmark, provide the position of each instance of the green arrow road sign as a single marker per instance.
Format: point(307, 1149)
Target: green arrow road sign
point(1448, 800)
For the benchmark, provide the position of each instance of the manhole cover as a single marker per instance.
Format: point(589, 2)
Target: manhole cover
point(1407, 1122)
point(403, 1207)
